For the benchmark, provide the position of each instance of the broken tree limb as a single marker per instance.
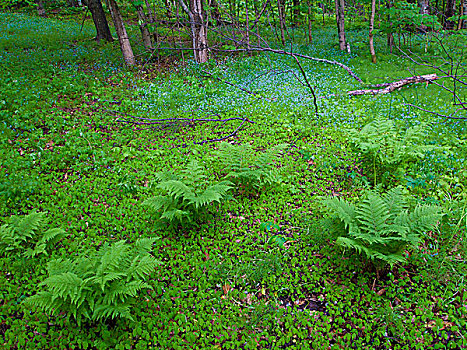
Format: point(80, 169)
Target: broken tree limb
point(390, 87)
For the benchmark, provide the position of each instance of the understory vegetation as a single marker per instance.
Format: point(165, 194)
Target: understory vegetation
point(344, 228)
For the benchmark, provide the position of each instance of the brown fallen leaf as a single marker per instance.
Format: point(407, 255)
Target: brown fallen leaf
point(226, 288)
point(381, 292)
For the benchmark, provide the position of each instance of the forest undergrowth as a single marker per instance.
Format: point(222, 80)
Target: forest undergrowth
point(244, 252)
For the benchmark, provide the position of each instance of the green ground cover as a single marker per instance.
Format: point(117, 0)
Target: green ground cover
point(256, 268)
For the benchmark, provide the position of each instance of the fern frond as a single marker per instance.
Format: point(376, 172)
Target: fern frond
point(26, 226)
point(119, 292)
point(105, 311)
point(372, 214)
point(176, 215)
point(345, 211)
point(52, 236)
point(268, 157)
point(45, 301)
point(214, 193)
point(424, 218)
point(194, 173)
point(144, 245)
point(395, 201)
point(160, 202)
point(176, 189)
point(142, 266)
point(65, 285)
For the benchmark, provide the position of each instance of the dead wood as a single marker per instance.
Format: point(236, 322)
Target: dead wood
point(390, 87)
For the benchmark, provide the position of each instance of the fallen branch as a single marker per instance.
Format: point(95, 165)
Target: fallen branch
point(450, 116)
point(165, 122)
point(390, 87)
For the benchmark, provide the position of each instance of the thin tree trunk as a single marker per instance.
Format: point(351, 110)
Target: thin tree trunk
point(372, 25)
point(143, 27)
point(340, 6)
point(100, 20)
point(247, 26)
point(448, 13)
point(462, 9)
point(281, 20)
point(424, 10)
point(198, 29)
point(40, 8)
point(310, 14)
point(123, 39)
point(390, 36)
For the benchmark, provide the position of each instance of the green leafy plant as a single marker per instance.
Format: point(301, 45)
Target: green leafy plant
point(187, 196)
point(250, 170)
point(381, 227)
point(24, 236)
point(100, 285)
point(386, 150)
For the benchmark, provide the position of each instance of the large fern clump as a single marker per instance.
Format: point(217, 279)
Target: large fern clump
point(250, 170)
point(387, 150)
point(187, 195)
point(24, 236)
point(382, 226)
point(99, 285)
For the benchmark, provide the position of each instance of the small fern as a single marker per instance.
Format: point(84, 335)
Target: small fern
point(387, 151)
point(23, 236)
point(99, 285)
point(253, 172)
point(381, 227)
point(187, 196)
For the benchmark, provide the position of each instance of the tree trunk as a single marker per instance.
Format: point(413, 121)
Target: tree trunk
point(424, 10)
point(100, 21)
point(449, 12)
point(310, 16)
point(198, 29)
point(123, 39)
point(296, 12)
point(463, 11)
point(143, 27)
point(247, 26)
point(281, 20)
point(390, 36)
point(40, 8)
point(340, 6)
point(372, 25)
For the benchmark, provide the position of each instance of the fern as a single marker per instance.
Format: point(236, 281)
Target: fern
point(99, 285)
point(385, 150)
point(23, 236)
point(381, 227)
point(253, 172)
point(188, 196)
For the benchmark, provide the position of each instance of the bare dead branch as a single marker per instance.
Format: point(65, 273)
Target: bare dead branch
point(395, 85)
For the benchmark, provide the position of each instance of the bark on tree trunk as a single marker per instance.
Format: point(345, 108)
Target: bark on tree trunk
point(123, 39)
point(372, 24)
point(100, 21)
point(143, 27)
point(198, 29)
point(281, 20)
point(463, 11)
point(450, 11)
point(340, 6)
point(310, 16)
point(390, 36)
point(424, 10)
point(247, 26)
point(40, 8)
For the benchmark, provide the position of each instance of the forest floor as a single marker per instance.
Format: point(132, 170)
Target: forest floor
point(258, 270)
